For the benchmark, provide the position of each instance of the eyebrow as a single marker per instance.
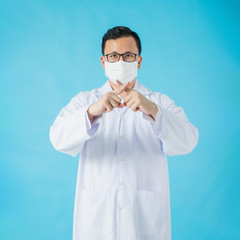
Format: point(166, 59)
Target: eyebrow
point(120, 53)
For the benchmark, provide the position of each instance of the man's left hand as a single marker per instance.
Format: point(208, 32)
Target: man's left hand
point(136, 101)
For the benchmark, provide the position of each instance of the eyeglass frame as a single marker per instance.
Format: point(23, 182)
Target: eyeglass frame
point(119, 56)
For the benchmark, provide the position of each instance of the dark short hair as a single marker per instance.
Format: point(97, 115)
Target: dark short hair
point(118, 32)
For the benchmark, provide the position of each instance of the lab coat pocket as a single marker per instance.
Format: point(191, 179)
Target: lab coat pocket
point(96, 206)
point(150, 212)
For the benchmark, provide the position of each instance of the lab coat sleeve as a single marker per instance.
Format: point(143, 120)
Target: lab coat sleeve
point(172, 127)
point(72, 127)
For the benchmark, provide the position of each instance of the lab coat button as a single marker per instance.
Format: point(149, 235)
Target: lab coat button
point(122, 159)
point(121, 183)
point(122, 137)
point(122, 207)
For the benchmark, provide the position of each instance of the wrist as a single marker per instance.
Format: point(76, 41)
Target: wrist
point(90, 116)
point(155, 111)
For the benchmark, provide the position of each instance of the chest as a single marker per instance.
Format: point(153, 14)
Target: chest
point(126, 126)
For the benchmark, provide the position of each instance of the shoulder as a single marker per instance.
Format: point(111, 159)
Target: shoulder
point(162, 99)
point(84, 97)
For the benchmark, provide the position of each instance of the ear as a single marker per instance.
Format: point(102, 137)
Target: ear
point(139, 61)
point(103, 62)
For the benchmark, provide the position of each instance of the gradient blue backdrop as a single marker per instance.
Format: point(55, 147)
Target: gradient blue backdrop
point(50, 51)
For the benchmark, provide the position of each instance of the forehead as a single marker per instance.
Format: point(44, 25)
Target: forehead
point(121, 45)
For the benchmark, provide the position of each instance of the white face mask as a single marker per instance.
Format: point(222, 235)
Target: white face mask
point(121, 70)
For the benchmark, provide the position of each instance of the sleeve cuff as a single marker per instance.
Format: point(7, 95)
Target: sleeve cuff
point(92, 126)
point(157, 123)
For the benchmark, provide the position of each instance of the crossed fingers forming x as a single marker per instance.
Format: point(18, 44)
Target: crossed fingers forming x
point(129, 95)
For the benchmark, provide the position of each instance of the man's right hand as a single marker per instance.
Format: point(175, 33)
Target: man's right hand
point(107, 102)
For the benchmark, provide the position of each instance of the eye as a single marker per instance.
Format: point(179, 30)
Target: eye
point(128, 55)
point(113, 55)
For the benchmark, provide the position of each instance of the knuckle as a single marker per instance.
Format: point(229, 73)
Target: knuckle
point(108, 95)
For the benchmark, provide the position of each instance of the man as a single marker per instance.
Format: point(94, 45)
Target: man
point(123, 132)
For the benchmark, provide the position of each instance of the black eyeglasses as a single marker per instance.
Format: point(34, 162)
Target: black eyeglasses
point(127, 57)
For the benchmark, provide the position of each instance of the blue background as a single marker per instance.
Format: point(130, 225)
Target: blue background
point(50, 51)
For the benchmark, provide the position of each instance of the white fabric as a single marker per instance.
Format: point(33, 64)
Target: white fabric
point(121, 70)
point(122, 190)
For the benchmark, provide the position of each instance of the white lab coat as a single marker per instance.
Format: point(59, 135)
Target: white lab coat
point(122, 190)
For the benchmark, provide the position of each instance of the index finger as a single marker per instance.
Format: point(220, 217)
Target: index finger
point(122, 88)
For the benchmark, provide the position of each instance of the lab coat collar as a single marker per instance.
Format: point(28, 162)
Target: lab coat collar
point(107, 88)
